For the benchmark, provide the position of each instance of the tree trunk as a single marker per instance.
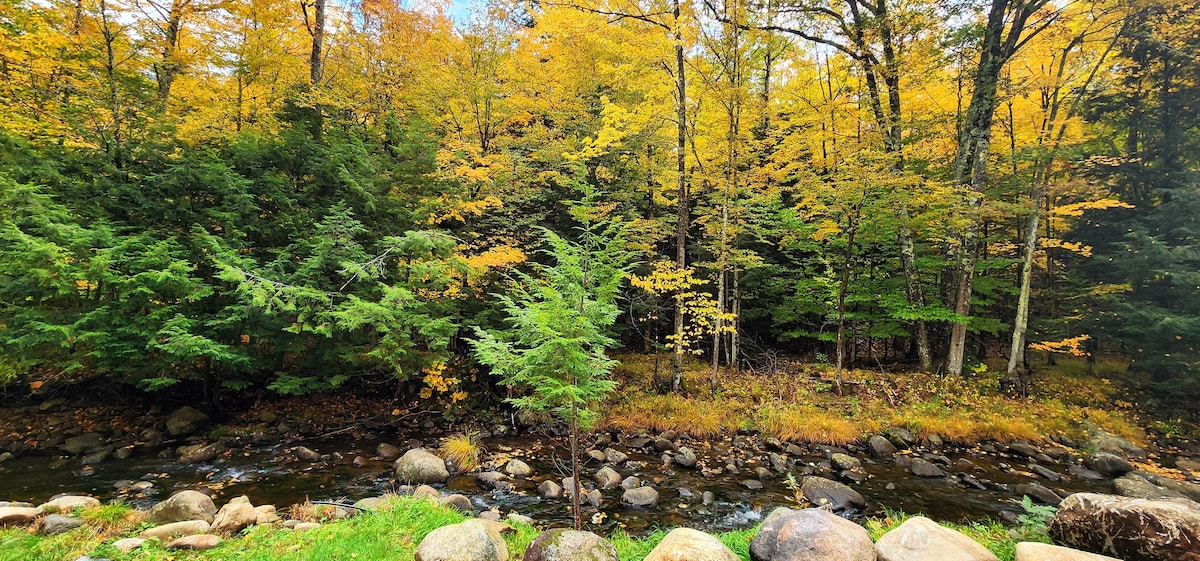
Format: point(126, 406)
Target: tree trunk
point(316, 29)
point(682, 221)
point(1015, 377)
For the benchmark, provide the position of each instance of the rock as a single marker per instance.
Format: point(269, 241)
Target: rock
point(596, 455)
point(819, 491)
point(812, 533)
point(1188, 464)
point(901, 437)
point(372, 503)
point(83, 444)
point(490, 516)
point(663, 445)
point(1038, 493)
point(1083, 473)
point(569, 545)
point(517, 468)
point(1035, 551)
point(1023, 449)
point(1108, 464)
point(593, 497)
point(237, 515)
point(607, 478)
point(489, 479)
point(518, 518)
point(631, 482)
point(198, 542)
point(777, 462)
point(18, 515)
point(466, 541)
point(360, 462)
point(1044, 472)
point(1132, 485)
point(686, 544)
point(306, 454)
point(176, 529)
point(387, 451)
point(420, 466)
point(568, 485)
point(550, 490)
point(921, 539)
point(68, 503)
point(845, 461)
point(1187, 489)
point(614, 457)
point(58, 524)
point(5, 456)
point(266, 515)
point(640, 497)
point(461, 502)
point(708, 497)
point(128, 544)
point(881, 447)
point(425, 491)
point(1117, 446)
point(184, 505)
point(923, 468)
point(494, 524)
point(185, 420)
point(1129, 528)
point(752, 484)
point(685, 457)
point(204, 454)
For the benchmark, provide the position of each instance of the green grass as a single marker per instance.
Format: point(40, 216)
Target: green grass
point(391, 533)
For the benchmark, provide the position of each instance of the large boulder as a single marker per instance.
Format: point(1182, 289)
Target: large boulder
point(570, 545)
point(237, 515)
point(1104, 442)
point(184, 505)
point(1129, 528)
point(819, 491)
point(420, 466)
point(812, 533)
point(1034, 551)
point(686, 544)
point(466, 541)
point(185, 420)
point(921, 539)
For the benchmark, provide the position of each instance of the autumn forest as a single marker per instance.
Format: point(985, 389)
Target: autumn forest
point(288, 195)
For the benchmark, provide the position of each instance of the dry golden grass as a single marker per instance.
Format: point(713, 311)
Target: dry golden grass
point(463, 450)
point(793, 423)
point(798, 402)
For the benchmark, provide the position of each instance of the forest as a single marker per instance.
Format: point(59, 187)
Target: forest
point(286, 196)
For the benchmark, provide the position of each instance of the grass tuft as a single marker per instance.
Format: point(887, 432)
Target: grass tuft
point(463, 450)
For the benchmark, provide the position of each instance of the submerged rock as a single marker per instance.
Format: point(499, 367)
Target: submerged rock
point(820, 491)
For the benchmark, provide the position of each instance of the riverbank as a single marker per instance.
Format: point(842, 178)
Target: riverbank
point(392, 532)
